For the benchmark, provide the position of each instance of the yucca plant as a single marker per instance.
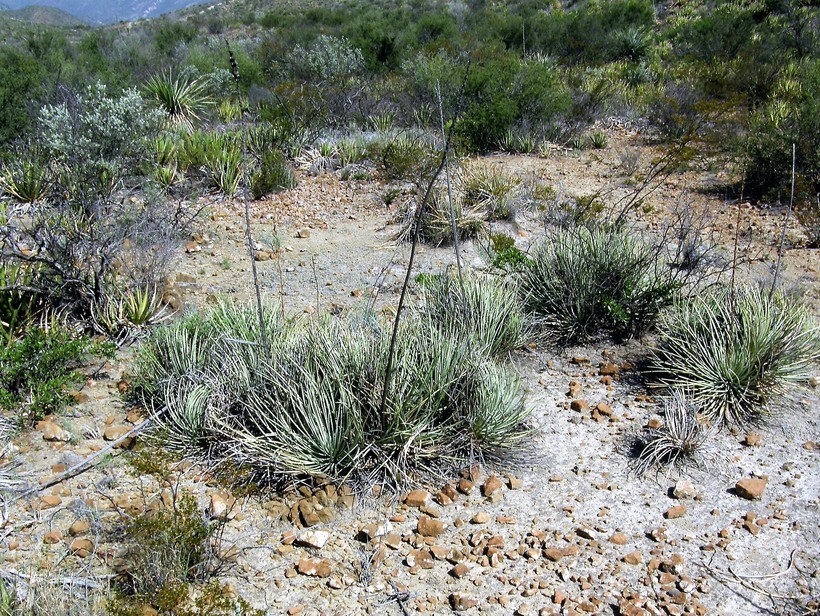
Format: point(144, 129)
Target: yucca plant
point(183, 99)
point(490, 188)
point(223, 164)
point(485, 310)
point(18, 305)
point(681, 441)
point(25, 180)
point(437, 223)
point(123, 313)
point(598, 140)
point(381, 122)
point(593, 281)
point(311, 403)
point(736, 352)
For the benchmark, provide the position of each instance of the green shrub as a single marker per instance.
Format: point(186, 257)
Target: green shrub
point(492, 189)
point(37, 370)
point(734, 353)
point(18, 305)
point(311, 404)
point(167, 554)
point(588, 282)
point(274, 174)
point(504, 255)
point(484, 310)
point(406, 157)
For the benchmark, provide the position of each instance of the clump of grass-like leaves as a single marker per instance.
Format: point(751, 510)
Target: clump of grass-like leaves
point(312, 403)
point(183, 99)
point(486, 310)
point(597, 280)
point(736, 352)
point(681, 441)
point(491, 189)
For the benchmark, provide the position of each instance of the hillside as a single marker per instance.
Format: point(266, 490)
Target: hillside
point(46, 15)
point(102, 12)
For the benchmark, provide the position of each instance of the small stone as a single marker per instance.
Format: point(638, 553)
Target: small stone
point(371, 531)
point(52, 537)
point(585, 533)
point(78, 528)
point(579, 406)
point(417, 498)
point(314, 567)
point(753, 439)
point(420, 558)
point(262, 255)
point(619, 539)
point(52, 432)
point(604, 409)
point(491, 486)
point(313, 539)
point(82, 547)
point(553, 554)
point(48, 501)
point(514, 483)
point(461, 601)
point(465, 486)
point(480, 518)
point(678, 511)
point(683, 489)
point(608, 369)
point(460, 570)
point(221, 507)
point(429, 527)
point(751, 488)
point(633, 558)
point(114, 433)
point(303, 234)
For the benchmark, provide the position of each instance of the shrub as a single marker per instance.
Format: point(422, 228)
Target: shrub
point(437, 220)
point(274, 174)
point(168, 552)
point(26, 177)
point(587, 282)
point(406, 157)
point(223, 164)
point(37, 370)
point(734, 353)
point(681, 441)
point(504, 255)
point(484, 310)
point(311, 404)
point(18, 305)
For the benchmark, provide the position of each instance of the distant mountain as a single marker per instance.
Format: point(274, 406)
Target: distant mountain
point(48, 15)
point(107, 11)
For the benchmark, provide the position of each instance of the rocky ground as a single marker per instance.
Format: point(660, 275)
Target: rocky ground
point(570, 530)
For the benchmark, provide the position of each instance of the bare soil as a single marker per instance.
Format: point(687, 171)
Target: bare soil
point(571, 531)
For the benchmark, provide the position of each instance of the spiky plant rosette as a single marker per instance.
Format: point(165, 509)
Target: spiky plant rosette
point(183, 99)
point(736, 353)
point(681, 441)
point(585, 282)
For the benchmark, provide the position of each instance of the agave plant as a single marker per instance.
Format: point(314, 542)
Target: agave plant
point(182, 98)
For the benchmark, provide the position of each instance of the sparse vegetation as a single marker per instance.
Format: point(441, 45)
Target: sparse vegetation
point(681, 441)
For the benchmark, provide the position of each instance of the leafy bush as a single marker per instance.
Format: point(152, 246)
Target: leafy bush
point(167, 553)
point(311, 404)
point(734, 353)
point(587, 282)
point(26, 177)
point(504, 255)
point(274, 174)
point(407, 157)
point(484, 310)
point(37, 369)
point(18, 305)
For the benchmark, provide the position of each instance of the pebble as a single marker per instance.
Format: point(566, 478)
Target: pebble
point(314, 567)
point(751, 488)
point(678, 511)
